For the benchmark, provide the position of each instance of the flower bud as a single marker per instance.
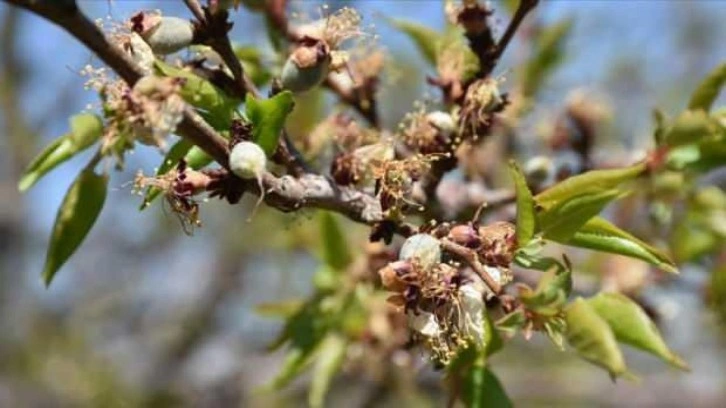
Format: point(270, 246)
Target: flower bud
point(392, 275)
point(465, 235)
point(247, 160)
point(169, 35)
point(306, 67)
point(423, 249)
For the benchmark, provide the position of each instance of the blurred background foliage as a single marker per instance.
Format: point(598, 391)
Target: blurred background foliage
point(145, 315)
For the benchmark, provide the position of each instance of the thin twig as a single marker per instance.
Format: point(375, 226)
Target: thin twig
point(196, 9)
point(525, 6)
point(470, 257)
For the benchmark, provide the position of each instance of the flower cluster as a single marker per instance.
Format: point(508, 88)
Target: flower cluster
point(443, 300)
point(179, 186)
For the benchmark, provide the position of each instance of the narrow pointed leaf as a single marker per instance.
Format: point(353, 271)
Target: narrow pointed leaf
point(601, 235)
point(328, 363)
point(590, 182)
point(424, 37)
point(708, 90)
point(77, 214)
point(268, 118)
point(691, 127)
point(86, 129)
point(216, 106)
point(590, 335)
point(526, 221)
point(562, 220)
point(632, 326)
point(481, 388)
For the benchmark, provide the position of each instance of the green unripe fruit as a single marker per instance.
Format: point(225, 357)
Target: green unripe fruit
point(247, 160)
point(170, 35)
point(423, 249)
point(306, 68)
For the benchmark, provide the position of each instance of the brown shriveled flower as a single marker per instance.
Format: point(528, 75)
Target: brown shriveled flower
point(481, 102)
point(427, 132)
point(179, 187)
point(394, 181)
point(499, 242)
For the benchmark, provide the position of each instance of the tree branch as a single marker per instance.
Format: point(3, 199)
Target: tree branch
point(525, 6)
point(470, 257)
point(283, 193)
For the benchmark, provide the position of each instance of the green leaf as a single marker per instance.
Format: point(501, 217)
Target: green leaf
point(216, 106)
point(691, 127)
point(454, 43)
point(526, 221)
point(561, 221)
point(77, 214)
point(424, 37)
point(552, 290)
point(252, 64)
point(481, 388)
point(327, 364)
point(282, 309)
point(587, 183)
point(509, 324)
point(708, 90)
point(632, 326)
point(593, 339)
point(601, 235)
point(268, 118)
point(548, 54)
point(86, 129)
point(336, 253)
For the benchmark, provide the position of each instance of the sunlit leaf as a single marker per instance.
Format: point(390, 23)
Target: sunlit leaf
point(526, 221)
point(424, 37)
point(559, 222)
point(85, 130)
point(632, 326)
point(593, 339)
point(328, 362)
point(268, 118)
point(708, 90)
point(547, 55)
point(691, 127)
point(481, 388)
point(601, 235)
point(594, 181)
point(77, 214)
point(216, 106)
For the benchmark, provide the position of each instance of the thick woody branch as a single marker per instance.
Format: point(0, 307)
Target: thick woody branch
point(472, 259)
point(284, 193)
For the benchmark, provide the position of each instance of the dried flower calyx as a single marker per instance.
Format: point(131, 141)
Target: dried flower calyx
point(317, 52)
